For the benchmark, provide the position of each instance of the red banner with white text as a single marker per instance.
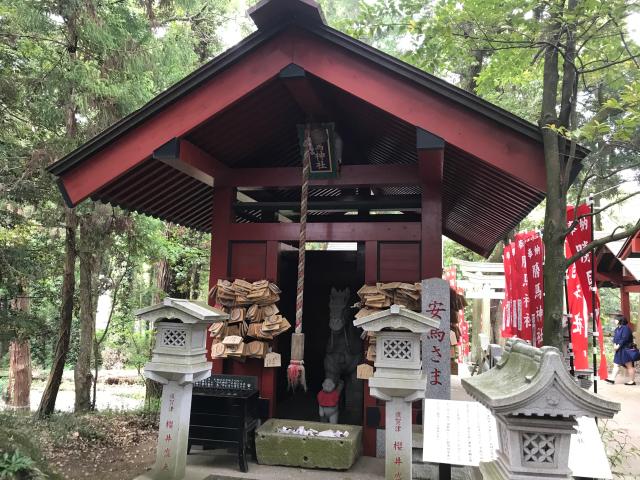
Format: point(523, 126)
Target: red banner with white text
point(451, 275)
point(509, 321)
point(535, 259)
point(579, 294)
point(523, 313)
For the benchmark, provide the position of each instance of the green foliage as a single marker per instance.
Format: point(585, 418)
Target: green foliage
point(68, 70)
point(619, 447)
point(454, 251)
point(20, 456)
point(17, 465)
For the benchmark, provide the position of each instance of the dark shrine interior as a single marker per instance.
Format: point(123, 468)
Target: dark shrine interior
point(323, 270)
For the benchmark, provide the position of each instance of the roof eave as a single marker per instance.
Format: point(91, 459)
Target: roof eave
point(163, 100)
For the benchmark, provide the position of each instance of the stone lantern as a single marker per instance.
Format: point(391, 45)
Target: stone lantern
point(536, 403)
point(398, 378)
point(178, 360)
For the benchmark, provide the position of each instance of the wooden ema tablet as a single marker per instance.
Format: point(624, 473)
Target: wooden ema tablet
point(272, 359)
point(232, 341)
point(218, 350)
point(364, 371)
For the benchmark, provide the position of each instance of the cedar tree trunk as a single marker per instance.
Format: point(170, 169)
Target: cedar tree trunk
point(48, 402)
point(19, 386)
point(82, 371)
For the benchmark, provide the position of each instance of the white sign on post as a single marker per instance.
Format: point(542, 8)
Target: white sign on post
point(436, 343)
point(465, 433)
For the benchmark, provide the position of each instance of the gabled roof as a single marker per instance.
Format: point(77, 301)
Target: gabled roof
point(397, 318)
point(267, 29)
point(187, 311)
point(535, 381)
point(237, 110)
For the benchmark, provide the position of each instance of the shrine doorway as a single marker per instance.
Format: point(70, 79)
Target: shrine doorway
point(324, 270)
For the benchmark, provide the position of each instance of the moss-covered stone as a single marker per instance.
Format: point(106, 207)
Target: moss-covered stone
point(275, 448)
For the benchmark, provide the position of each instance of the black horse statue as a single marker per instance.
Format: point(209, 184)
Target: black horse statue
point(344, 351)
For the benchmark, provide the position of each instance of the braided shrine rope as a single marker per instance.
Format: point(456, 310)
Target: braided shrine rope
point(306, 168)
point(296, 374)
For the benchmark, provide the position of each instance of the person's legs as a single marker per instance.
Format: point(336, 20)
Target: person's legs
point(614, 374)
point(631, 373)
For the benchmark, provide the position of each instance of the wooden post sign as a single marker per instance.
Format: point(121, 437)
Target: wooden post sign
point(324, 154)
point(436, 343)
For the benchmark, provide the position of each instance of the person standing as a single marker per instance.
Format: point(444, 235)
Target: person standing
point(622, 340)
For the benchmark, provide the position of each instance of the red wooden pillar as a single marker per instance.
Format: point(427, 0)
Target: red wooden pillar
point(223, 198)
point(369, 402)
point(269, 379)
point(430, 165)
point(625, 305)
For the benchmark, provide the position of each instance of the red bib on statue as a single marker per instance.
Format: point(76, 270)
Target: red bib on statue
point(328, 399)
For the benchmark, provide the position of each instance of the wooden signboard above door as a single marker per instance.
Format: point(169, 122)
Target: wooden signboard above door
point(325, 153)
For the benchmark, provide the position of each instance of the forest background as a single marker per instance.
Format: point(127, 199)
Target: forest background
point(71, 68)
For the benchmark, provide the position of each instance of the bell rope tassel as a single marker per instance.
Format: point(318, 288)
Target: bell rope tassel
point(296, 374)
point(295, 370)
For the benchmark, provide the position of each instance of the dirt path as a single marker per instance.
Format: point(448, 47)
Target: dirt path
point(122, 463)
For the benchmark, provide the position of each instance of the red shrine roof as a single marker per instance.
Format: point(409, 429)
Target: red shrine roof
point(618, 263)
point(238, 114)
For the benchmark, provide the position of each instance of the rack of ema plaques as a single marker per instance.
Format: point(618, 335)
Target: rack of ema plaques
point(398, 379)
point(178, 360)
point(536, 403)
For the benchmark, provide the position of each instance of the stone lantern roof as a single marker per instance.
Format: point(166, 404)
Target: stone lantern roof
point(532, 381)
point(186, 311)
point(397, 318)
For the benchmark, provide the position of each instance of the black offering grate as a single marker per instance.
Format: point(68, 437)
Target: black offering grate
point(228, 385)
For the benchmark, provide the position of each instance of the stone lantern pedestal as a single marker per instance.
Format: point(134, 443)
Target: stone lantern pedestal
point(398, 379)
point(179, 359)
point(536, 403)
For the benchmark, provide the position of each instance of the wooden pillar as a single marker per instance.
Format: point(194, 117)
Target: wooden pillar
point(430, 166)
point(370, 262)
point(370, 404)
point(625, 304)
point(269, 378)
point(223, 198)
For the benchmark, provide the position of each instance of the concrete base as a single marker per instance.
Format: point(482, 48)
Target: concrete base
point(495, 471)
point(275, 448)
point(220, 464)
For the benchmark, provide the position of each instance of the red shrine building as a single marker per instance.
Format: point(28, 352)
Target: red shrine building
point(618, 266)
point(220, 151)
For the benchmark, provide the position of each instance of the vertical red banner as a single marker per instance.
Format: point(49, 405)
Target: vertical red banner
point(521, 286)
point(579, 284)
point(535, 261)
point(509, 328)
point(464, 349)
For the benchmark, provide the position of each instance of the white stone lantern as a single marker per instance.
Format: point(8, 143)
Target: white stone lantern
point(178, 360)
point(535, 402)
point(398, 378)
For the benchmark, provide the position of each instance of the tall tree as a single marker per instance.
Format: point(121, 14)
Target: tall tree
point(50, 394)
point(545, 62)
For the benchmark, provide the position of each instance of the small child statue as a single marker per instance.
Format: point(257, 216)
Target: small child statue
point(328, 400)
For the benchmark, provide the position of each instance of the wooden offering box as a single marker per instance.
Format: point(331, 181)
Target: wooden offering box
point(337, 453)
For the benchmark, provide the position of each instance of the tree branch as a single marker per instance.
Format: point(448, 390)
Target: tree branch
point(609, 205)
point(608, 65)
point(603, 241)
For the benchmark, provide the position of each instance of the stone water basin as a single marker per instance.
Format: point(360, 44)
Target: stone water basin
point(337, 453)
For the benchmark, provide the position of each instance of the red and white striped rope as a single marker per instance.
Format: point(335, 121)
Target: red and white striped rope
point(306, 168)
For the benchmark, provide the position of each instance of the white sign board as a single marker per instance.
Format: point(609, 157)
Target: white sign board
point(465, 433)
point(459, 433)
